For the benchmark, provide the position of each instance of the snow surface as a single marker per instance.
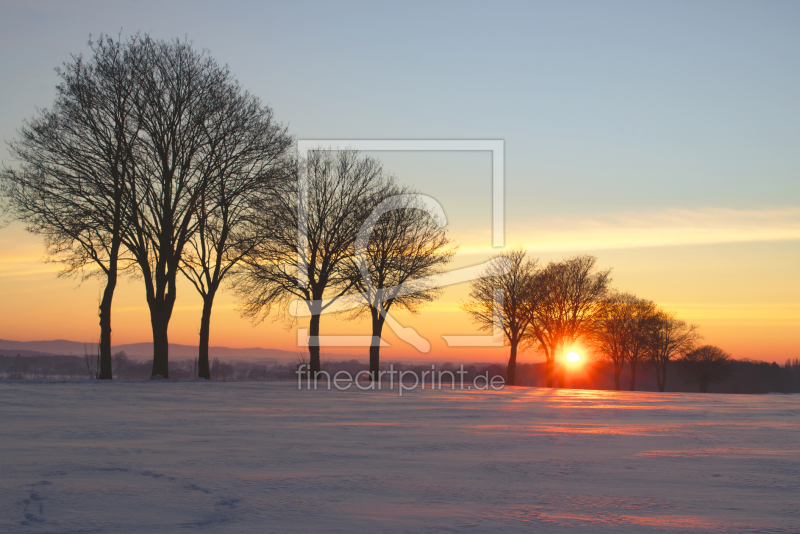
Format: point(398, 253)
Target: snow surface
point(264, 457)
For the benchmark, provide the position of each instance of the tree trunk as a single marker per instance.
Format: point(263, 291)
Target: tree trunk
point(633, 375)
point(204, 370)
point(661, 376)
point(375, 347)
point(313, 346)
point(617, 371)
point(374, 362)
point(561, 367)
point(548, 372)
point(511, 374)
point(105, 324)
point(160, 323)
point(562, 376)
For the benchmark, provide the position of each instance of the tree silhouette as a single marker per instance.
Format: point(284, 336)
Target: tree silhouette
point(613, 329)
point(184, 108)
point(642, 322)
point(621, 333)
point(343, 189)
point(704, 366)
point(77, 159)
point(401, 245)
point(513, 278)
point(244, 161)
point(564, 300)
point(668, 338)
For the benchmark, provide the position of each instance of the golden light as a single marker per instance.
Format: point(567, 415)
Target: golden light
point(573, 357)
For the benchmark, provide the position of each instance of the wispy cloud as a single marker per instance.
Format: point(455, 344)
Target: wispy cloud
point(26, 265)
point(772, 313)
point(667, 227)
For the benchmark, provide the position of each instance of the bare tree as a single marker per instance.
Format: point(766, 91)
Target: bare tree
point(612, 330)
point(181, 107)
point(92, 363)
point(643, 314)
point(704, 366)
point(564, 299)
point(621, 332)
point(398, 247)
point(510, 280)
point(77, 166)
point(343, 188)
point(244, 156)
point(668, 338)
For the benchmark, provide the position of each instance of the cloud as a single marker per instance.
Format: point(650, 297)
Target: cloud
point(669, 227)
point(750, 313)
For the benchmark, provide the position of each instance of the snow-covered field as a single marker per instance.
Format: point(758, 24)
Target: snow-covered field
point(264, 457)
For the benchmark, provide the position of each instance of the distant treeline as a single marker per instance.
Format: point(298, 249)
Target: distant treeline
point(748, 376)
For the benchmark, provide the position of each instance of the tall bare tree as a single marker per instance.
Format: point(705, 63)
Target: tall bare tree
point(73, 187)
point(564, 299)
point(622, 332)
point(612, 330)
point(181, 108)
point(668, 338)
point(342, 189)
point(246, 149)
point(643, 314)
point(398, 247)
point(513, 277)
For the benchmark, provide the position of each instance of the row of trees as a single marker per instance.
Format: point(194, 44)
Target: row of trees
point(145, 164)
point(368, 239)
point(154, 162)
point(553, 307)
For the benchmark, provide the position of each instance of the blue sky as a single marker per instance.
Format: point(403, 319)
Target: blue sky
point(638, 102)
point(606, 106)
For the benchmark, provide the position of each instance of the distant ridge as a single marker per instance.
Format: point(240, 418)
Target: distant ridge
point(134, 350)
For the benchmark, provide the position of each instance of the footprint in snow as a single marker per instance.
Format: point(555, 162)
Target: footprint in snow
point(34, 508)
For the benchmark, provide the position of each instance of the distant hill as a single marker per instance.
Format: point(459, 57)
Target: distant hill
point(136, 350)
point(57, 346)
point(20, 352)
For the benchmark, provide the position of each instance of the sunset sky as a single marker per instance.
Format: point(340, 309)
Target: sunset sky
point(663, 138)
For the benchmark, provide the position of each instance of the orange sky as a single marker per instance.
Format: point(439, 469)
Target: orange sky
point(744, 295)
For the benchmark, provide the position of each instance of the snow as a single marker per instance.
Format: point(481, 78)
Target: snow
point(166, 456)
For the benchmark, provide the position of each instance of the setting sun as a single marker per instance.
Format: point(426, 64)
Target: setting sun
point(573, 357)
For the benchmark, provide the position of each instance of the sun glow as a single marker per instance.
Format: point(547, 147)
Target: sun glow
point(573, 357)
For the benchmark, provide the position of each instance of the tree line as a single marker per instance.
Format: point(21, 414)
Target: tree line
point(551, 308)
point(153, 162)
point(748, 377)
